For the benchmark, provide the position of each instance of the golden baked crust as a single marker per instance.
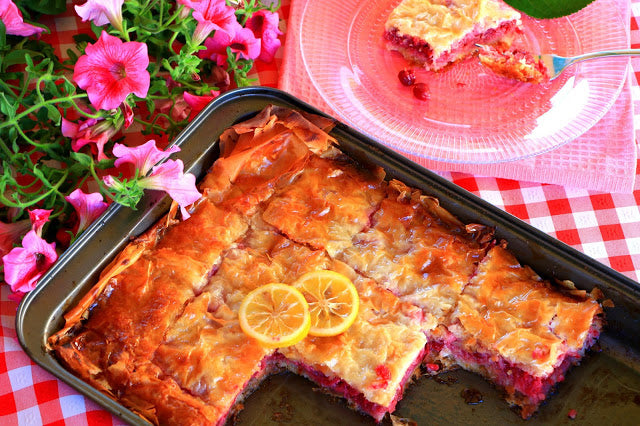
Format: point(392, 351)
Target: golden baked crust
point(417, 250)
point(159, 332)
point(509, 310)
point(327, 204)
point(443, 23)
point(376, 353)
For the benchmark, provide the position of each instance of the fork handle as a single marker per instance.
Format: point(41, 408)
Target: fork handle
point(593, 55)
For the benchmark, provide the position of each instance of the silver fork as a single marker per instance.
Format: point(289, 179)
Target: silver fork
point(556, 64)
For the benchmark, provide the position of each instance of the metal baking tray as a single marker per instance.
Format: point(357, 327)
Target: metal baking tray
point(604, 389)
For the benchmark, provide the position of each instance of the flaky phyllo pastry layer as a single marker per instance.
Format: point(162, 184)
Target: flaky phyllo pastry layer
point(159, 332)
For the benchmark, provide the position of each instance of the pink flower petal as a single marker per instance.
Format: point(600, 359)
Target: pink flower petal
point(89, 131)
point(69, 128)
point(143, 157)
point(128, 115)
point(264, 25)
point(102, 12)
point(216, 47)
point(211, 15)
point(87, 206)
point(24, 266)
point(270, 45)
point(11, 17)
point(100, 140)
point(178, 110)
point(170, 178)
point(110, 70)
point(246, 44)
point(109, 181)
point(197, 103)
point(38, 218)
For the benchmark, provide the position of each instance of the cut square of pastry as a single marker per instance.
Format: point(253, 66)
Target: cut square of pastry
point(518, 330)
point(436, 33)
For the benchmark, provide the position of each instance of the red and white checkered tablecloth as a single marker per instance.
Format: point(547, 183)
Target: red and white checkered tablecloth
point(602, 225)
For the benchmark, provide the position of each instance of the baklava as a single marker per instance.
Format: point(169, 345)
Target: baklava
point(437, 33)
point(159, 332)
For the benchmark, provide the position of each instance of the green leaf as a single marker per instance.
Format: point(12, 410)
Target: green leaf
point(81, 158)
point(7, 107)
point(53, 114)
point(27, 124)
point(107, 163)
point(546, 9)
point(151, 106)
point(12, 136)
point(48, 7)
point(17, 57)
point(42, 114)
point(3, 35)
point(159, 87)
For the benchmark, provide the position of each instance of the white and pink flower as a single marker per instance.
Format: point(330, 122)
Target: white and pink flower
point(38, 218)
point(102, 12)
point(168, 176)
point(142, 157)
point(24, 266)
point(88, 131)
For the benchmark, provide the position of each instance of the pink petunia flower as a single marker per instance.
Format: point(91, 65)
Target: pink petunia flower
point(212, 15)
point(89, 131)
point(23, 266)
point(102, 12)
point(143, 157)
point(11, 17)
point(244, 43)
point(87, 206)
point(197, 103)
point(169, 177)
point(216, 48)
point(38, 218)
point(264, 25)
point(10, 234)
point(110, 70)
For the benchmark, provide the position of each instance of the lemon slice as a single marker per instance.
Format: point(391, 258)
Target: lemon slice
point(276, 315)
point(333, 301)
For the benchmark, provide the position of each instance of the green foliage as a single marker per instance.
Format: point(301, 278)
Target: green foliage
point(546, 9)
point(48, 7)
point(38, 166)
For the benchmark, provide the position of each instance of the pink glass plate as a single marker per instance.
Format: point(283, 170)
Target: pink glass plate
point(473, 115)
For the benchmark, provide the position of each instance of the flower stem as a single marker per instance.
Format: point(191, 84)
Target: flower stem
point(26, 112)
